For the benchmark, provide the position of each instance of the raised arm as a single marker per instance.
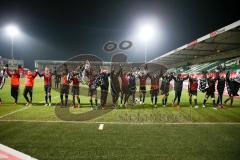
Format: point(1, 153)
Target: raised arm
point(8, 72)
point(35, 73)
point(23, 71)
point(186, 77)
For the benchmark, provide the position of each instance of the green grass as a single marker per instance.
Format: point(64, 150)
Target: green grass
point(53, 133)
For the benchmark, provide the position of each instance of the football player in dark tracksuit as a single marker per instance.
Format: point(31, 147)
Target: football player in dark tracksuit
point(220, 88)
point(154, 87)
point(210, 90)
point(232, 88)
point(131, 88)
point(115, 86)
point(75, 78)
point(192, 90)
point(124, 86)
point(165, 85)
point(178, 85)
point(104, 87)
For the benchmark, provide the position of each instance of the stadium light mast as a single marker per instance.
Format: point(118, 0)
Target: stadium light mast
point(12, 31)
point(146, 32)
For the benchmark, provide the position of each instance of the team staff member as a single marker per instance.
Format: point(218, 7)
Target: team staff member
point(29, 83)
point(47, 85)
point(178, 85)
point(15, 76)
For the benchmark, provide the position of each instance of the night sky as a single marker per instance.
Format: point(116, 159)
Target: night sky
point(62, 29)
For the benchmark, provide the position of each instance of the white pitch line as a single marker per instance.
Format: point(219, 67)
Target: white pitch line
point(13, 112)
point(133, 123)
point(20, 110)
point(101, 126)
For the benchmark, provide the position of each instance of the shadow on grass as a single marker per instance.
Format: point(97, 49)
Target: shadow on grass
point(66, 115)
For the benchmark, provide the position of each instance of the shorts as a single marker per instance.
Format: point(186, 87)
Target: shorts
point(132, 90)
point(208, 94)
point(47, 89)
point(164, 93)
point(154, 92)
point(75, 90)
point(193, 93)
point(92, 92)
point(124, 90)
point(65, 89)
point(142, 89)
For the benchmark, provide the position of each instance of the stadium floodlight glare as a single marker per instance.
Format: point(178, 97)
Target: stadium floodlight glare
point(146, 32)
point(12, 31)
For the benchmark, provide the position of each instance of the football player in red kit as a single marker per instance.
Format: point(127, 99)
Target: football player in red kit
point(47, 75)
point(29, 83)
point(75, 78)
point(15, 76)
point(192, 90)
point(142, 76)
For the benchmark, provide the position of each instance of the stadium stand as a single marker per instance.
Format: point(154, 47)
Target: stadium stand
point(11, 63)
point(219, 45)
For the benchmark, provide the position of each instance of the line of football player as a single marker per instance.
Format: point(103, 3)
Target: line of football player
point(95, 78)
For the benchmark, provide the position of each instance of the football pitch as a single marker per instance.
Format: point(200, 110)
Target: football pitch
point(142, 132)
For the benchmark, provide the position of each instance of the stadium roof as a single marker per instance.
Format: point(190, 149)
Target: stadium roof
point(221, 44)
